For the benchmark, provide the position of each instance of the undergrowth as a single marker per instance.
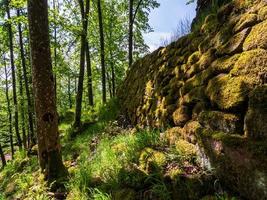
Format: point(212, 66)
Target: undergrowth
point(106, 162)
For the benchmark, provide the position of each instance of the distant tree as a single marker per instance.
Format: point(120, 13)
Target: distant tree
point(49, 149)
point(102, 51)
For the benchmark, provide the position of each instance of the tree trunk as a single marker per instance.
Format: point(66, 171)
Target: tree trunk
point(89, 76)
point(9, 113)
point(55, 49)
point(49, 149)
point(102, 49)
point(31, 140)
point(77, 119)
point(16, 117)
point(2, 155)
point(130, 40)
point(113, 78)
point(69, 92)
point(24, 138)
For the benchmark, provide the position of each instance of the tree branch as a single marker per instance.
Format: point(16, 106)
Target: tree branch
point(136, 10)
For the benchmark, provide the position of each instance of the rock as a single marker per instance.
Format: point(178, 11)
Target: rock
point(250, 65)
point(256, 117)
point(185, 149)
point(235, 44)
point(262, 14)
point(247, 20)
point(193, 58)
point(194, 96)
point(210, 24)
point(181, 115)
point(257, 37)
point(173, 134)
point(151, 160)
point(219, 121)
point(190, 130)
point(226, 92)
point(224, 64)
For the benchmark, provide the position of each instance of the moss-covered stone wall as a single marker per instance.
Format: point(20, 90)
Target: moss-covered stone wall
point(211, 86)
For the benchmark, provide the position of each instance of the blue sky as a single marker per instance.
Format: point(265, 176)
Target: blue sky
point(164, 20)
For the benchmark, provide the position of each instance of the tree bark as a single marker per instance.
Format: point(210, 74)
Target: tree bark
point(69, 92)
point(55, 49)
point(16, 116)
point(77, 119)
point(89, 76)
point(31, 140)
point(130, 40)
point(49, 149)
point(102, 49)
point(9, 113)
point(2, 155)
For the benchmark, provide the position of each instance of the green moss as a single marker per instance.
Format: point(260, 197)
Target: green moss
point(181, 115)
point(185, 149)
point(197, 80)
point(257, 37)
point(224, 64)
point(234, 44)
point(227, 92)
point(207, 58)
point(219, 121)
point(193, 58)
point(247, 20)
point(151, 160)
point(173, 134)
point(263, 13)
point(197, 94)
point(210, 24)
point(250, 64)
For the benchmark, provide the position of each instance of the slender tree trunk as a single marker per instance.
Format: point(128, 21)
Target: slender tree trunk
point(10, 33)
point(84, 14)
point(9, 113)
point(2, 155)
point(130, 40)
point(49, 148)
point(31, 138)
point(89, 76)
point(24, 138)
point(55, 48)
point(109, 85)
point(113, 78)
point(69, 93)
point(102, 49)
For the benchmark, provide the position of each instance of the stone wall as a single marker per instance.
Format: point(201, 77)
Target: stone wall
point(211, 87)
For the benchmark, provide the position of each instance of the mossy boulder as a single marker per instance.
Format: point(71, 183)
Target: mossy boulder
point(257, 37)
point(171, 135)
point(190, 130)
point(186, 149)
point(256, 117)
point(226, 92)
point(199, 79)
point(262, 14)
point(235, 44)
point(151, 160)
point(198, 108)
point(250, 65)
point(220, 121)
point(247, 20)
point(196, 95)
point(207, 58)
point(181, 115)
point(224, 64)
point(210, 24)
point(193, 58)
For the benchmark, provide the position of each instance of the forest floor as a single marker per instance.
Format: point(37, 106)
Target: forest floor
point(106, 161)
